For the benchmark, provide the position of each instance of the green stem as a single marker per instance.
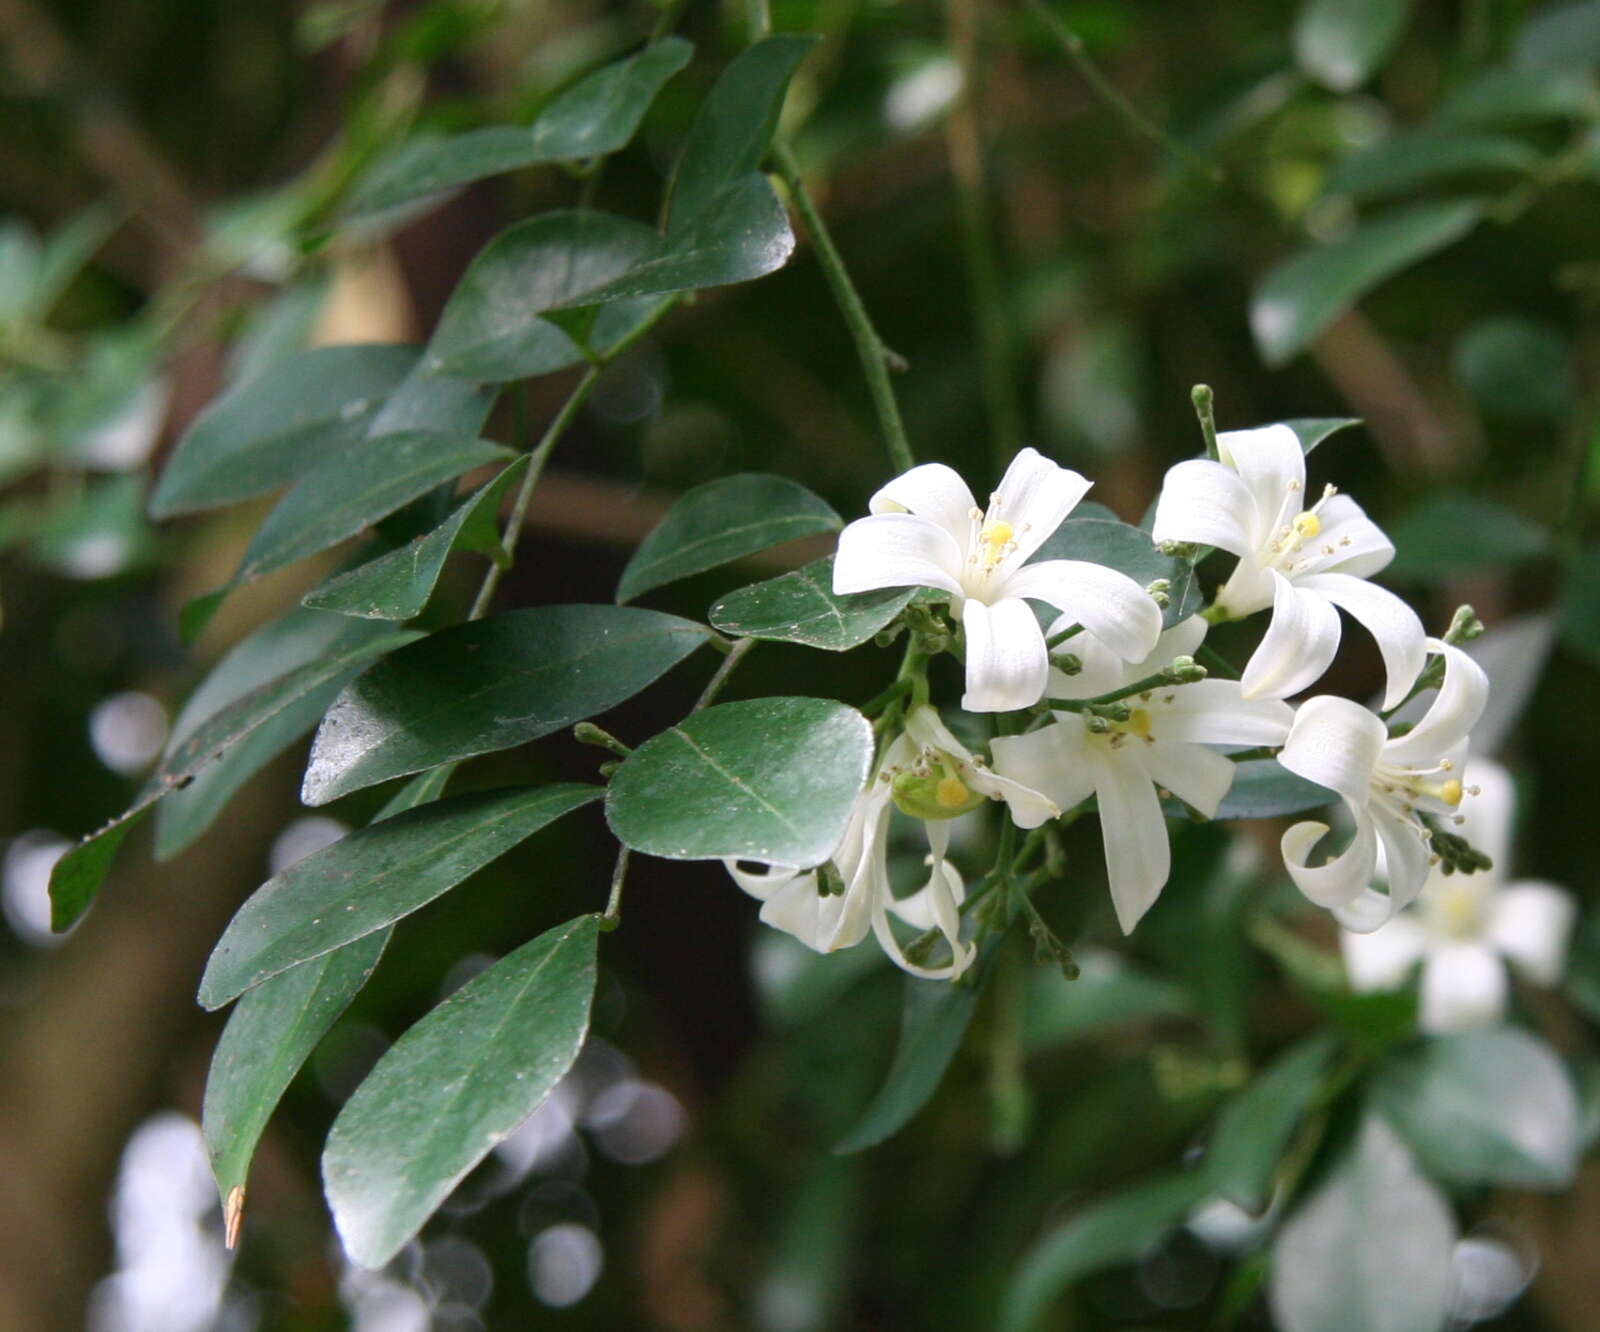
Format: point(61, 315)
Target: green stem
point(613, 915)
point(1216, 662)
point(1150, 682)
point(876, 357)
point(1056, 640)
point(729, 664)
point(758, 19)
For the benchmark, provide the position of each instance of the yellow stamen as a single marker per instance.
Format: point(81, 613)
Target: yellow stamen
point(996, 535)
point(1307, 525)
point(951, 794)
point(1138, 722)
point(1450, 792)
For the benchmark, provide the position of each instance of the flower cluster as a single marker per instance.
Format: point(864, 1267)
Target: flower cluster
point(1100, 703)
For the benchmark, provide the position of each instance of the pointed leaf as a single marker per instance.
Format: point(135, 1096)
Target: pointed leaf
point(373, 877)
point(772, 780)
point(1522, 97)
point(489, 685)
point(1255, 1126)
point(721, 521)
point(1425, 157)
point(455, 1085)
point(1313, 430)
point(801, 607)
point(1342, 43)
point(428, 400)
point(1429, 544)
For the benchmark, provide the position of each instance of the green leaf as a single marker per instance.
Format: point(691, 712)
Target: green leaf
point(1450, 534)
point(66, 253)
point(489, 685)
point(1105, 1234)
point(1342, 43)
point(428, 400)
point(397, 586)
point(1129, 550)
point(598, 115)
point(1580, 607)
point(455, 1085)
point(1109, 992)
point(1370, 1249)
point(722, 521)
point(1255, 1126)
point(1521, 96)
point(772, 780)
point(373, 877)
point(1313, 430)
point(1414, 160)
point(268, 1037)
point(932, 1023)
point(1493, 1106)
point(1299, 298)
point(1517, 368)
point(265, 432)
point(733, 129)
point(78, 875)
point(802, 607)
point(19, 269)
point(1264, 789)
point(1560, 38)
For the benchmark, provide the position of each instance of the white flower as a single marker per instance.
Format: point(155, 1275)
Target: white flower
point(927, 764)
point(1465, 924)
point(925, 530)
point(1306, 561)
point(1387, 784)
point(1162, 744)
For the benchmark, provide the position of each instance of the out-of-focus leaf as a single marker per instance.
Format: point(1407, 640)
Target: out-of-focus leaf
point(1451, 533)
point(1580, 607)
point(65, 254)
point(802, 607)
point(19, 269)
point(99, 533)
point(1299, 298)
point(1559, 38)
point(1521, 96)
point(488, 685)
point(1128, 550)
point(1342, 43)
point(1424, 157)
point(455, 1085)
point(1108, 992)
point(1313, 430)
point(1369, 1249)
point(1517, 368)
point(1255, 1126)
point(772, 780)
point(1494, 1106)
point(721, 521)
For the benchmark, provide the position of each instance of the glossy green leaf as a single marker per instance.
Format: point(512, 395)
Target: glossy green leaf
point(397, 585)
point(489, 685)
point(721, 521)
point(772, 780)
point(1521, 96)
point(1109, 992)
point(734, 127)
point(1559, 38)
point(1116, 1230)
point(932, 1023)
point(1128, 550)
point(1314, 430)
point(1255, 1126)
point(454, 1085)
point(1450, 533)
point(1370, 1249)
point(1299, 298)
point(1264, 789)
point(430, 400)
point(373, 877)
point(78, 875)
point(1342, 43)
point(1413, 161)
point(598, 115)
point(802, 607)
point(266, 431)
point(1492, 1106)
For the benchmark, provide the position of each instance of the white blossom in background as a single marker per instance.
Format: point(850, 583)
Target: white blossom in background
point(1307, 561)
point(929, 770)
point(926, 530)
point(1161, 745)
point(1465, 928)
point(1387, 783)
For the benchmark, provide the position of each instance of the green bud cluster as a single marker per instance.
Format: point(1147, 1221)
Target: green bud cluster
point(1456, 854)
point(1464, 626)
point(1184, 670)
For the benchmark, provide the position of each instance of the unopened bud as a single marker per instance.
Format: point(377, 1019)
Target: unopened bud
point(1464, 626)
point(1096, 724)
point(1186, 551)
point(1066, 663)
point(830, 883)
point(1184, 670)
point(609, 767)
point(1117, 712)
point(1160, 592)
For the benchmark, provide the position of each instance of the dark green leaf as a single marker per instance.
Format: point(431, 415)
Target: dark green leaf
point(489, 685)
point(1517, 368)
point(720, 521)
point(1109, 992)
point(455, 1085)
point(1299, 298)
point(1129, 550)
point(1560, 38)
point(76, 878)
point(1521, 96)
point(1450, 534)
point(1342, 43)
point(372, 878)
point(1264, 789)
point(771, 780)
point(932, 1023)
point(1255, 1126)
point(802, 607)
point(1424, 157)
point(265, 432)
point(1493, 1106)
point(1580, 607)
point(1370, 1249)
point(1117, 1230)
point(428, 400)
point(1313, 430)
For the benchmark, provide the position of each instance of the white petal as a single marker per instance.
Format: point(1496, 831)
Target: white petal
point(1380, 960)
point(1531, 923)
point(1007, 665)
point(1029, 808)
point(1463, 985)
point(927, 729)
point(932, 491)
point(1249, 589)
point(822, 924)
point(922, 912)
point(1359, 545)
point(1406, 856)
point(1179, 640)
point(1272, 466)
point(1335, 743)
point(1204, 502)
point(1102, 670)
point(762, 885)
point(1299, 644)
point(1399, 633)
point(1453, 712)
point(1109, 604)
point(896, 550)
point(1213, 712)
point(1034, 496)
point(1138, 855)
point(1199, 777)
point(962, 959)
point(1050, 761)
point(1341, 880)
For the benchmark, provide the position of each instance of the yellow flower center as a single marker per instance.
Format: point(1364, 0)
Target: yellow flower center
point(951, 793)
point(1307, 525)
point(1138, 723)
point(996, 536)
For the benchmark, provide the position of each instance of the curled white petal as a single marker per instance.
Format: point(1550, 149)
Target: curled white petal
point(1380, 960)
point(1109, 604)
point(1531, 923)
point(763, 884)
point(1035, 496)
point(1204, 502)
point(1394, 625)
point(1463, 985)
point(1299, 644)
point(1138, 855)
point(896, 550)
point(1453, 712)
point(1335, 743)
point(1341, 880)
point(1007, 664)
point(932, 491)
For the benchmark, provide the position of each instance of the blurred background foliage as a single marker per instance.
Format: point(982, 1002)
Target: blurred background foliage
point(1061, 215)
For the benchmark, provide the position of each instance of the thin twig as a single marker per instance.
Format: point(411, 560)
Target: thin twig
point(729, 663)
point(613, 913)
